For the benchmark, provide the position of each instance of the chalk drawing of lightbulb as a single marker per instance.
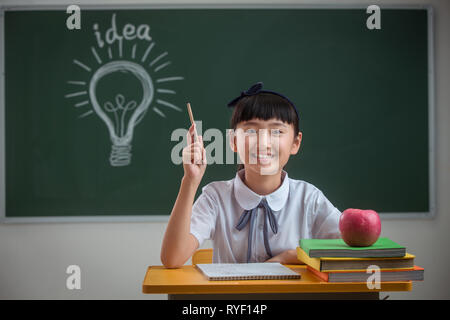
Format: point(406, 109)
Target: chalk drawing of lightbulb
point(121, 133)
point(121, 113)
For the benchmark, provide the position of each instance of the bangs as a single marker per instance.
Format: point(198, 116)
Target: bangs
point(264, 106)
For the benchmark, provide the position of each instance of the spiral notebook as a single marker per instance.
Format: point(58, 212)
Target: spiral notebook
point(247, 271)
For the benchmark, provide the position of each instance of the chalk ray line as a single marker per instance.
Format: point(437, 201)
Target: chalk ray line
point(158, 58)
point(162, 66)
point(165, 91)
point(82, 103)
point(86, 114)
point(133, 51)
point(169, 79)
point(167, 104)
point(75, 94)
point(82, 65)
point(96, 55)
point(81, 83)
point(159, 112)
point(150, 47)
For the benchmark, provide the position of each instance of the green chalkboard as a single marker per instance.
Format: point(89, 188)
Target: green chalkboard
point(363, 98)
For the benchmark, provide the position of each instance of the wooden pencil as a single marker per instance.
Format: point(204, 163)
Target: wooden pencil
point(192, 121)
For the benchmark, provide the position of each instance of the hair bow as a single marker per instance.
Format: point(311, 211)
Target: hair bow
point(255, 89)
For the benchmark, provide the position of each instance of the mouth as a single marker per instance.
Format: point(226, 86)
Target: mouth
point(262, 158)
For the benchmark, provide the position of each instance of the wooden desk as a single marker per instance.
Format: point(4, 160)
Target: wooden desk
point(188, 282)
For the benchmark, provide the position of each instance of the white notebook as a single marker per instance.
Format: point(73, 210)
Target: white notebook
point(247, 271)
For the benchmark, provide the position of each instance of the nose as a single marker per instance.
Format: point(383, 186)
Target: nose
point(263, 140)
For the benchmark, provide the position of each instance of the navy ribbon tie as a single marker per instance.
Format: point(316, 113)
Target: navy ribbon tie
point(254, 89)
point(258, 88)
point(250, 215)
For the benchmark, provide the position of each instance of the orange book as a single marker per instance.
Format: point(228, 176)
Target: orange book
point(326, 264)
point(406, 274)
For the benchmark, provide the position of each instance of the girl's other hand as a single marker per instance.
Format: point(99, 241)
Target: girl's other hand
point(194, 158)
point(286, 257)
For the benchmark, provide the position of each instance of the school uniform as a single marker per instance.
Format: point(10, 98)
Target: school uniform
point(247, 227)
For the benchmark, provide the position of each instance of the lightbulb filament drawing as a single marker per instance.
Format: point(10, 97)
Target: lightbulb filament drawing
point(121, 113)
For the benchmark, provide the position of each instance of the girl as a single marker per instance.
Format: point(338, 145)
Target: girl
point(261, 214)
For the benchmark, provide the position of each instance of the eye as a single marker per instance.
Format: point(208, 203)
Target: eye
point(276, 132)
point(250, 131)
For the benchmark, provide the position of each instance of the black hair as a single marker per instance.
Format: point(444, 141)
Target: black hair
point(264, 106)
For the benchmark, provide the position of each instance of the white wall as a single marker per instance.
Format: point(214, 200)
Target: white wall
point(114, 256)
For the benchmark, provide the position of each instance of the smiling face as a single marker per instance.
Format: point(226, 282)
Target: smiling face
point(266, 132)
point(264, 146)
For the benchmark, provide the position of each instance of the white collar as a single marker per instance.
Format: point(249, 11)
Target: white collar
point(248, 199)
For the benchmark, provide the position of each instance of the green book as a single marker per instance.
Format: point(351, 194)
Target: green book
point(337, 248)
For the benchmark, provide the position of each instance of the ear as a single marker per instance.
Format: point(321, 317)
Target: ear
point(232, 140)
point(296, 143)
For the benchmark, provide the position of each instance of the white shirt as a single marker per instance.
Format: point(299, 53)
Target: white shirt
point(301, 210)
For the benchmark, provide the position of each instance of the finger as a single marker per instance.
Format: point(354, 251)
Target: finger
point(194, 157)
point(190, 153)
point(198, 157)
point(195, 148)
point(189, 137)
point(187, 156)
point(197, 145)
point(192, 129)
point(204, 157)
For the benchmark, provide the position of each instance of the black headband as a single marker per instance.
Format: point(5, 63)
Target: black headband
point(254, 90)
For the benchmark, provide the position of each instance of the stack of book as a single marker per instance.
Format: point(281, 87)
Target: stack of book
point(332, 260)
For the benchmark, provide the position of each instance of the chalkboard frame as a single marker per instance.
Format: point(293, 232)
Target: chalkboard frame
point(430, 214)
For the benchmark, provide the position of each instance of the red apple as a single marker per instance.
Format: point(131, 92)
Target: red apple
point(359, 228)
